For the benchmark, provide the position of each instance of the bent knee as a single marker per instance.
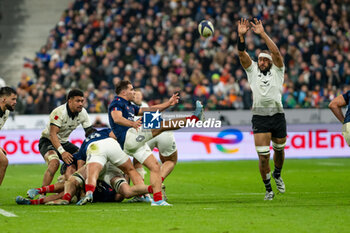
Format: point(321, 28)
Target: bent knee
point(51, 156)
point(278, 146)
point(54, 164)
point(170, 158)
point(155, 167)
point(263, 151)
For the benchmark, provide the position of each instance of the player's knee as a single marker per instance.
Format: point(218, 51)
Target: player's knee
point(70, 170)
point(278, 146)
point(53, 165)
point(155, 167)
point(263, 151)
point(50, 156)
point(152, 164)
point(171, 158)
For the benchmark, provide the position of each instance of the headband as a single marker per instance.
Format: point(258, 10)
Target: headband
point(265, 55)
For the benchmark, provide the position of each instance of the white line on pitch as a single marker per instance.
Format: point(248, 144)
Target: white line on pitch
point(331, 164)
point(7, 214)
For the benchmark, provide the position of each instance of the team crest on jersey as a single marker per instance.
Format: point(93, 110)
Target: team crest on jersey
point(56, 117)
point(265, 83)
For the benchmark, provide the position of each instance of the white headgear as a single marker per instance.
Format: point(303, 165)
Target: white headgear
point(265, 55)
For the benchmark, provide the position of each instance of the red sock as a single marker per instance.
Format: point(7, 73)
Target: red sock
point(89, 187)
point(150, 189)
point(193, 117)
point(47, 189)
point(157, 196)
point(67, 197)
point(37, 201)
point(163, 179)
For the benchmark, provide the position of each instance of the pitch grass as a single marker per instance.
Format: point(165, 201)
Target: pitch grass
point(224, 196)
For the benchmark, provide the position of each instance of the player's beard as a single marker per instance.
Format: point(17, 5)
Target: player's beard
point(9, 107)
point(264, 71)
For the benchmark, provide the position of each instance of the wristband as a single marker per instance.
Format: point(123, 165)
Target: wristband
point(61, 150)
point(241, 45)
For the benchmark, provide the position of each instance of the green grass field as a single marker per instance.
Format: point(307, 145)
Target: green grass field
point(224, 196)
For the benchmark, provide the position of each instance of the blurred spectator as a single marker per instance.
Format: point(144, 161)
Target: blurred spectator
point(155, 44)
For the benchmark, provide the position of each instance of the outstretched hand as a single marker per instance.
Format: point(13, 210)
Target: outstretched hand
point(174, 99)
point(257, 27)
point(243, 27)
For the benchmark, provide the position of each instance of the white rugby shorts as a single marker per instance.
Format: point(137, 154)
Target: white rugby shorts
point(165, 142)
point(106, 150)
point(135, 143)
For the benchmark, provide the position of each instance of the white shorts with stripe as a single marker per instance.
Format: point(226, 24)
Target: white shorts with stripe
point(106, 150)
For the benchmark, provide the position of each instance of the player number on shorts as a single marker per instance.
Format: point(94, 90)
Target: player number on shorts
point(140, 138)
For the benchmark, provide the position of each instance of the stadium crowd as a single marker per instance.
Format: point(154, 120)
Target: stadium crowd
point(155, 44)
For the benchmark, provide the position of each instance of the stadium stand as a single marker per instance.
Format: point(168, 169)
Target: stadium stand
point(155, 44)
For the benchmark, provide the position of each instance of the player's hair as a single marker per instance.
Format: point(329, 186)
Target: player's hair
point(7, 91)
point(122, 85)
point(75, 92)
point(90, 130)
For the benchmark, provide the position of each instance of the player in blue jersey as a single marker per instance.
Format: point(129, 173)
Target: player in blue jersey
point(133, 139)
point(111, 186)
point(336, 106)
point(78, 159)
point(97, 148)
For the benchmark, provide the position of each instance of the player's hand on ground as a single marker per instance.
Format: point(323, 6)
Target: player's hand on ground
point(257, 26)
point(137, 124)
point(67, 157)
point(243, 27)
point(174, 99)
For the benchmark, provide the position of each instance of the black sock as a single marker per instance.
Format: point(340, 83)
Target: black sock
point(277, 172)
point(268, 185)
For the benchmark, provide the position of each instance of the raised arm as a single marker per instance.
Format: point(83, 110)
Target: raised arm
point(161, 107)
point(336, 105)
point(243, 27)
point(258, 28)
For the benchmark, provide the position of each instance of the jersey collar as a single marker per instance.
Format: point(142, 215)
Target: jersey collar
point(122, 99)
point(70, 113)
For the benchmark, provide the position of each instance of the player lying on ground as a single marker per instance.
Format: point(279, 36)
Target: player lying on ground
point(78, 160)
point(112, 186)
point(99, 148)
